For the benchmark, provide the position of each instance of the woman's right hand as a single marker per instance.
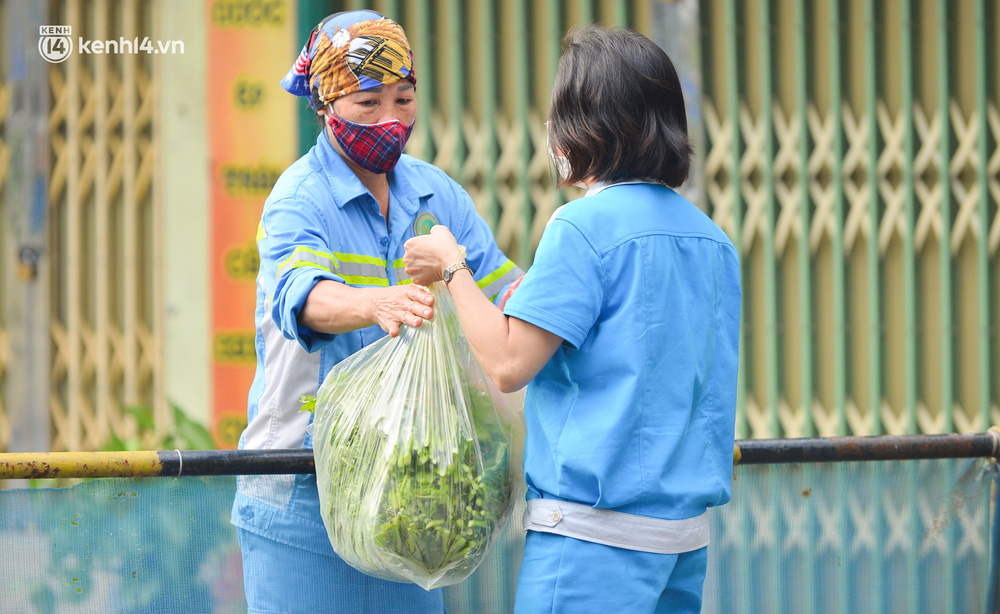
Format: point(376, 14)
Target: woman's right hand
point(427, 256)
point(396, 305)
point(334, 307)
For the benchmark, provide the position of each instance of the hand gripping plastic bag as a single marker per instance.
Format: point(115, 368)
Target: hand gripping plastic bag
point(415, 458)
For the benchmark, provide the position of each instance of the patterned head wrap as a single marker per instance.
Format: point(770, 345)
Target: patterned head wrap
point(350, 52)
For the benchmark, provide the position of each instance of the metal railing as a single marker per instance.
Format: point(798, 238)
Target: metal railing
point(178, 463)
point(916, 528)
point(850, 151)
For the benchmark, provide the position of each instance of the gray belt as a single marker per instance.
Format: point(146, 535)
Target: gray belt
point(618, 529)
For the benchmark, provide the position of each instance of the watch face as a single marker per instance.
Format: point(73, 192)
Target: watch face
point(450, 271)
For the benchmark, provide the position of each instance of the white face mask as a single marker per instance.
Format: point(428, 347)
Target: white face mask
point(560, 162)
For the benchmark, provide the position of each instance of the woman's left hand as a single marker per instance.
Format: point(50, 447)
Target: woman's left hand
point(427, 256)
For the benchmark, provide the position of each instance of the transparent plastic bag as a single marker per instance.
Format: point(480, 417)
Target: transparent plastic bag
point(417, 461)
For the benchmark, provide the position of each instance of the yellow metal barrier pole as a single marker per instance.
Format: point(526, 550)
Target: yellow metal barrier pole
point(151, 464)
point(37, 465)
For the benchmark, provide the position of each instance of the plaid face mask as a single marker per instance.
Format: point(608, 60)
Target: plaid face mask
point(374, 147)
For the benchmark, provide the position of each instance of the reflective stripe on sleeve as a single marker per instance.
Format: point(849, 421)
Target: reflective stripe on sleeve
point(362, 270)
point(492, 284)
point(366, 280)
point(306, 256)
point(355, 269)
point(343, 257)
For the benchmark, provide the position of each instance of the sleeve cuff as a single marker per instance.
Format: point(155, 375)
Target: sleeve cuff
point(285, 311)
point(556, 325)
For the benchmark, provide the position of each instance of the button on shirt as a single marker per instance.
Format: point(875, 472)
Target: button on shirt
point(320, 222)
point(635, 412)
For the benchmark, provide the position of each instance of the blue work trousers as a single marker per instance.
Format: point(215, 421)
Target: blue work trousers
point(563, 575)
point(282, 579)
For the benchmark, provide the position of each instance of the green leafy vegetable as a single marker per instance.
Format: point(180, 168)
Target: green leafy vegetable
point(412, 458)
point(426, 518)
point(434, 516)
point(308, 403)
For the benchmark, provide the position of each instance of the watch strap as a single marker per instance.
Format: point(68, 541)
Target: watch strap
point(450, 271)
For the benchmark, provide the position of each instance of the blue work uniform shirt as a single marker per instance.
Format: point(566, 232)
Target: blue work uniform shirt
point(320, 222)
point(635, 412)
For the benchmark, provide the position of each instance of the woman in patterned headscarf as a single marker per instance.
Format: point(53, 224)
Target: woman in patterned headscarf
point(331, 281)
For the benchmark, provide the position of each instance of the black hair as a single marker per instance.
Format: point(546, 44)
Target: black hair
point(617, 109)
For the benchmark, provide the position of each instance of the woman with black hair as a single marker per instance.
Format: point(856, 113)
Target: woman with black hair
point(626, 332)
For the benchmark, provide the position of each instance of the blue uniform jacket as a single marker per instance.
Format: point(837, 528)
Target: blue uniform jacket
point(320, 222)
point(636, 411)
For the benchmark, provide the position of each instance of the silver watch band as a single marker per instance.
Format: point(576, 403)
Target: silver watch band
point(450, 271)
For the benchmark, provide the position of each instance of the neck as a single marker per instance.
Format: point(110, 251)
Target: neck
point(377, 183)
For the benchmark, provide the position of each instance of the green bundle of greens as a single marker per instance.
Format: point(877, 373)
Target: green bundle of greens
point(435, 516)
point(401, 510)
point(413, 461)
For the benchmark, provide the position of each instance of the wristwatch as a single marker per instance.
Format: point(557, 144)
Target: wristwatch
point(450, 271)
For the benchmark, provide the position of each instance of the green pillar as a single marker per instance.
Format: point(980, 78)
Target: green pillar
point(308, 14)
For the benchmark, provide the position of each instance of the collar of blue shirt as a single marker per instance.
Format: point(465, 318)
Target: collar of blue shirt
point(405, 179)
point(600, 185)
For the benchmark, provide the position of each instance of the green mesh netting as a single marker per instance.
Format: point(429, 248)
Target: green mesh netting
point(876, 536)
point(121, 545)
point(902, 536)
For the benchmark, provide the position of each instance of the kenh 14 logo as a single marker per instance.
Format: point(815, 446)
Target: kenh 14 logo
point(55, 42)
